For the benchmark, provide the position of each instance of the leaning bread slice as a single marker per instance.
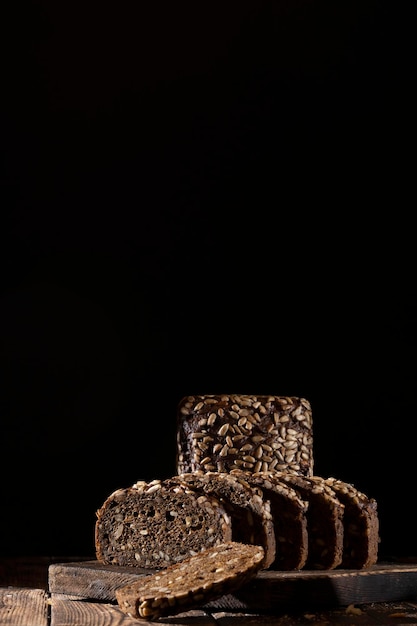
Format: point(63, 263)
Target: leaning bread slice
point(324, 520)
point(289, 512)
point(153, 525)
point(361, 525)
point(191, 583)
point(249, 510)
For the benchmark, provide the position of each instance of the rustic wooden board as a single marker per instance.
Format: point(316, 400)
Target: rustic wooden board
point(268, 591)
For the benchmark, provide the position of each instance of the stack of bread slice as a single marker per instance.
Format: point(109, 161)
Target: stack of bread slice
point(300, 522)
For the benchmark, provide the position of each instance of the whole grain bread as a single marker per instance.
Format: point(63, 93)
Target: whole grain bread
point(158, 523)
point(289, 513)
point(199, 579)
point(249, 510)
point(361, 525)
point(248, 432)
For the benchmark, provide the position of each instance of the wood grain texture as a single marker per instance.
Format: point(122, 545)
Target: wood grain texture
point(23, 607)
point(69, 612)
point(268, 591)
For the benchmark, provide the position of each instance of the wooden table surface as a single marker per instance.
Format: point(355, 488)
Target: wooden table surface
point(26, 600)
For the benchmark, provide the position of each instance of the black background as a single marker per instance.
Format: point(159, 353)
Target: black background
point(202, 198)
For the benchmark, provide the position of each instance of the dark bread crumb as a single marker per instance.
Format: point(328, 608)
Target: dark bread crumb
point(155, 524)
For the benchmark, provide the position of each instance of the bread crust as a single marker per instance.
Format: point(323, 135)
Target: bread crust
point(248, 432)
point(361, 525)
point(289, 513)
point(324, 520)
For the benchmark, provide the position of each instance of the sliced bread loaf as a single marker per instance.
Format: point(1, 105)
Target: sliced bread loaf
point(191, 583)
point(249, 510)
point(361, 525)
point(156, 524)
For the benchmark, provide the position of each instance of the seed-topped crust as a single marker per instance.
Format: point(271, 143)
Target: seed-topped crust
point(155, 524)
point(195, 581)
point(361, 525)
point(324, 520)
point(289, 512)
point(247, 432)
point(249, 510)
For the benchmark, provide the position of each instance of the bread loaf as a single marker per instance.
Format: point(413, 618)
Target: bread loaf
point(155, 524)
point(324, 520)
point(191, 583)
point(249, 511)
point(247, 432)
point(361, 525)
point(289, 513)
point(244, 475)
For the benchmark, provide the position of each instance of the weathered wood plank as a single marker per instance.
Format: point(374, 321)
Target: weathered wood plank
point(90, 580)
point(268, 591)
point(65, 612)
point(23, 607)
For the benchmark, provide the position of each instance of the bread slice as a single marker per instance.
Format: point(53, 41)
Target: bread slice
point(248, 432)
point(361, 525)
point(191, 583)
point(249, 511)
point(324, 520)
point(289, 512)
point(156, 524)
